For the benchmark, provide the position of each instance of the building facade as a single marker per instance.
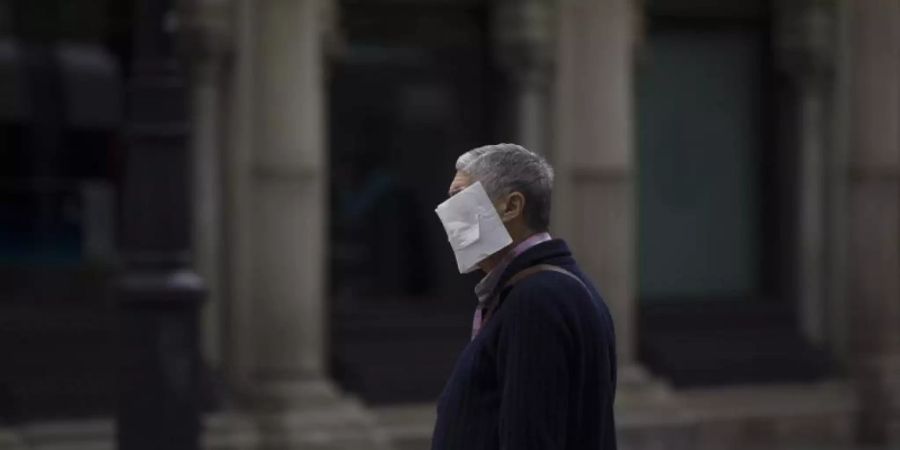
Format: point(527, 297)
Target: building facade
point(728, 172)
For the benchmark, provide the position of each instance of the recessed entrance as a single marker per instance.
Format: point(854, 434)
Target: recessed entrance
point(716, 305)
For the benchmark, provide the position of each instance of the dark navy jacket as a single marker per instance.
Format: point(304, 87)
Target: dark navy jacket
point(541, 373)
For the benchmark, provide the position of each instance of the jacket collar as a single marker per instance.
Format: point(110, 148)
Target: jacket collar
point(554, 251)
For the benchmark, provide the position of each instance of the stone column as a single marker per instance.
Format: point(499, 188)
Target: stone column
point(284, 214)
point(874, 213)
point(210, 44)
point(524, 40)
point(276, 231)
point(805, 40)
point(595, 199)
point(595, 154)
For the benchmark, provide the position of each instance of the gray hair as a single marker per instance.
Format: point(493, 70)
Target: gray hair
point(506, 168)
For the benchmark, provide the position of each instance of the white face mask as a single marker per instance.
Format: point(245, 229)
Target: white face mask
point(473, 227)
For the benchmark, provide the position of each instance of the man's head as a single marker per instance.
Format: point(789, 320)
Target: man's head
point(518, 181)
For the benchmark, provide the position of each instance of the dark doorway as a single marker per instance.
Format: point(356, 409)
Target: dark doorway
point(715, 273)
point(411, 89)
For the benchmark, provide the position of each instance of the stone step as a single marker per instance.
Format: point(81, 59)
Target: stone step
point(815, 416)
point(342, 425)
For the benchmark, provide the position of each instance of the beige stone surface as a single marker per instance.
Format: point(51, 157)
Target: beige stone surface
point(874, 214)
point(289, 46)
point(408, 427)
point(594, 83)
point(789, 417)
point(795, 416)
point(594, 152)
point(277, 197)
point(875, 37)
point(276, 204)
point(9, 440)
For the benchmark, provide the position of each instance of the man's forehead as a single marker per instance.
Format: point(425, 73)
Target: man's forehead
point(462, 177)
point(460, 181)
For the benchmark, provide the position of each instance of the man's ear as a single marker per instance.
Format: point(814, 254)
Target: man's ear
point(513, 207)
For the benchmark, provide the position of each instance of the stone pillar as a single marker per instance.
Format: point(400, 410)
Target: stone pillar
point(276, 232)
point(237, 230)
point(874, 213)
point(210, 45)
point(524, 39)
point(595, 197)
point(595, 154)
point(285, 212)
point(806, 43)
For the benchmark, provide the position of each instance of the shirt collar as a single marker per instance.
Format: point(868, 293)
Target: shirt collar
point(485, 288)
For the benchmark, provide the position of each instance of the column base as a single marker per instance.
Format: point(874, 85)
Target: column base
point(878, 384)
point(651, 415)
point(306, 415)
point(342, 427)
point(11, 441)
point(647, 413)
point(817, 415)
point(269, 396)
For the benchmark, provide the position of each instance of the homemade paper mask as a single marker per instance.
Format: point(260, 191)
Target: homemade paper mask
point(473, 227)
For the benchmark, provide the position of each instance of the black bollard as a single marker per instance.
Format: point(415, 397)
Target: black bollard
point(159, 402)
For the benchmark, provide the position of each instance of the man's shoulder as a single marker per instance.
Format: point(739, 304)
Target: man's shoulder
point(552, 279)
point(550, 288)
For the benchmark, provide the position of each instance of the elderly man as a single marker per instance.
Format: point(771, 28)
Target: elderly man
point(540, 370)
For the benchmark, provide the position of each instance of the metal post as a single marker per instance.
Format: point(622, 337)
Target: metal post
point(159, 297)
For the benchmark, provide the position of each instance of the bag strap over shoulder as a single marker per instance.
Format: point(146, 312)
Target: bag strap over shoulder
point(525, 273)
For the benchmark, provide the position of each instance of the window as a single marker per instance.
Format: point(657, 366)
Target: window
point(61, 96)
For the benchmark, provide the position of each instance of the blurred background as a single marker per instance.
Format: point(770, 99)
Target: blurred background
point(224, 209)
